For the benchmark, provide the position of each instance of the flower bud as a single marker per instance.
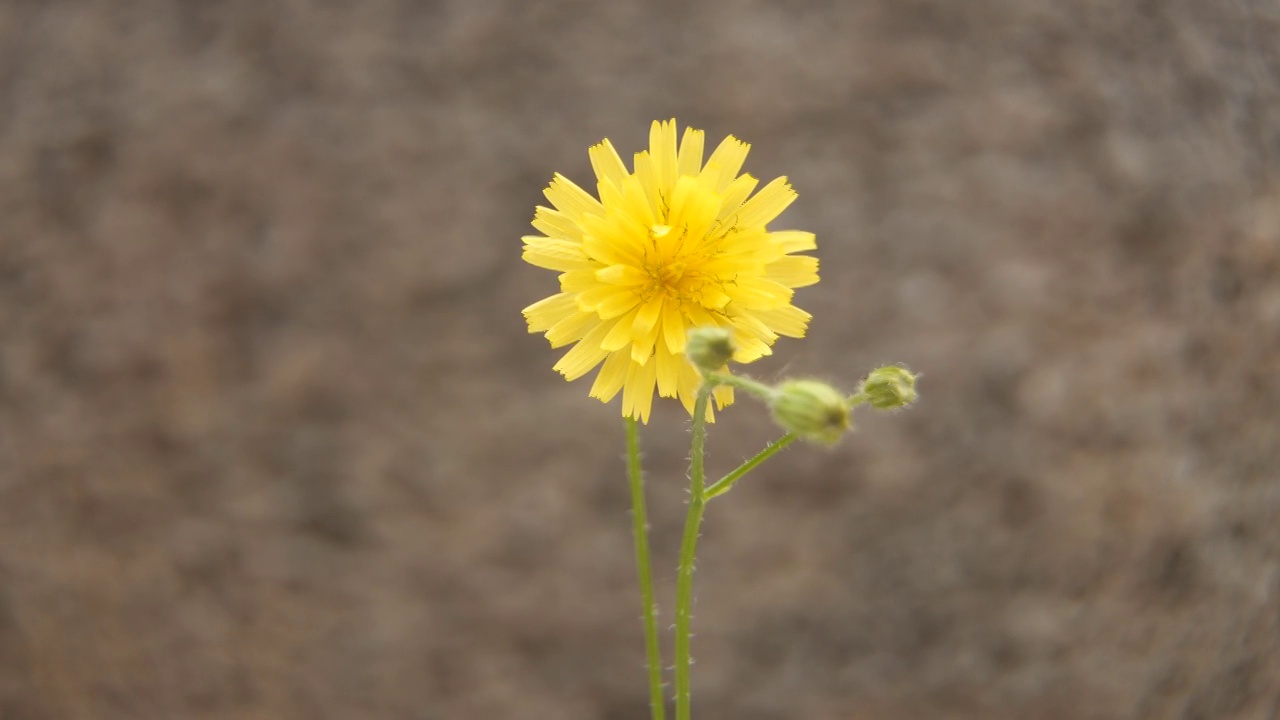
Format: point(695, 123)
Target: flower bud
point(889, 387)
point(811, 410)
point(709, 348)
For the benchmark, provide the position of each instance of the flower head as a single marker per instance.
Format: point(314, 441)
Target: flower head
point(709, 348)
point(812, 410)
point(890, 387)
point(671, 245)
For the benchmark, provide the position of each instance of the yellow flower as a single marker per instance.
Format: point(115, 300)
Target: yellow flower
point(673, 245)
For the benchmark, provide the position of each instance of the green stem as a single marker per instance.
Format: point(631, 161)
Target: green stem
point(688, 548)
point(640, 524)
point(746, 384)
point(725, 484)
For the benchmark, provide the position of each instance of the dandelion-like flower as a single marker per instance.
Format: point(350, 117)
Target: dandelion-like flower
point(672, 245)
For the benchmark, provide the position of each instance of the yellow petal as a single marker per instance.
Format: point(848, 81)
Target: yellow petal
point(723, 396)
point(572, 200)
point(636, 204)
point(554, 223)
point(613, 373)
point(751, 244)
point(709, 180)
point(599, 293)
point(747, 323)
point(621, 334)
point(734, 194)
point(617, 304)
point(793, 271)
point(648, 316)
point(623, 275)
point(667, 370)
point(576, 281)
point(585, 355)
point(554, 254)
point(549, 311)
point(687, 390)
point(662, 148)
point(572, 328)
point(728, 157)
point(794, 240)
point(674, 331)
point(613, 240)
point(647, 177)
point(712, 295)
point(730, 265)
point(788, 320)
point(756, 292)
point(693, 212)
point(749, 349)
point(690, 160)
point(767, 204)
point(607, 301)
point(642, 347)
point(610, 194)
point(606, 163)
point(637, 394)
point(699, 317)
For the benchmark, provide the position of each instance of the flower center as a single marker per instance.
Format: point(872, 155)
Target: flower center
point(664, 266)
point(668, 278)
point(675, 262)
point(670, 274)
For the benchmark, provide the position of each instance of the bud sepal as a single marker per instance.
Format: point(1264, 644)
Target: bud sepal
point(888, 388)
point(710, 348)
point(811, 410)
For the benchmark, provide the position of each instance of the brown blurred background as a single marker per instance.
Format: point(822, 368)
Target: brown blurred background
point(274, 442)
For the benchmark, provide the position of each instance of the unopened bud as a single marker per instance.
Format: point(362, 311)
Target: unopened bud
point(889, 387)
point(709, 348)
point(811, 410)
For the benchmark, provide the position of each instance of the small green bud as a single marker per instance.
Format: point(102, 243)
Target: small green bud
point(889, 387)
point(710, 348)
point(811, 410)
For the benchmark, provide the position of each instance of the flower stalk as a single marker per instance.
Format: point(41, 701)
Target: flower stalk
point(644, 569)
point(688, 551)
point(725, 484)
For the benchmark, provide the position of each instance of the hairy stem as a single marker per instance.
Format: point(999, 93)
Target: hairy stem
point(688, 549)
point(725, 484)
point(640, 525)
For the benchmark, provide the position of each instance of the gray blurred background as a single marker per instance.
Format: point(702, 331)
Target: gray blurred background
point(274, 442)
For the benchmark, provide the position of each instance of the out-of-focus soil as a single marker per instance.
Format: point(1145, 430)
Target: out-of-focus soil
point(274, 442)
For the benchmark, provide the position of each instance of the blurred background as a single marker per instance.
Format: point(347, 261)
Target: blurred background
point(274, 441)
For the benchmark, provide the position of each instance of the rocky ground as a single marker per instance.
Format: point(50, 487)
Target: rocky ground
point(274, 442)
